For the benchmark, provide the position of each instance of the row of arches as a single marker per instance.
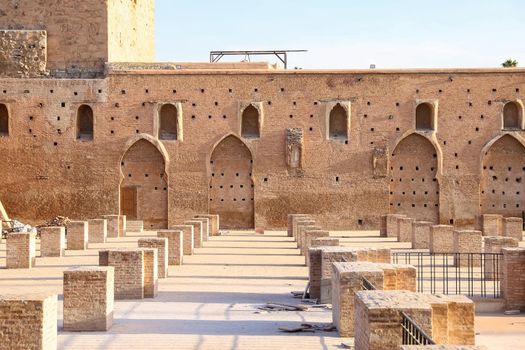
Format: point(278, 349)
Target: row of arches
point(414, 181)
point(414, 188)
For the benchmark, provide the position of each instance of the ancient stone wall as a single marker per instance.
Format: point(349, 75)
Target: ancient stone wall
point(23, 53)
point(83, 178)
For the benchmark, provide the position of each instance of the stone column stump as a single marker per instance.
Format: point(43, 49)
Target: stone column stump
point(98, 230)
point(188, 239)
point(161, 244)
point(77, 235)
point(20, 250)
point(129, 271)
point(175, 253)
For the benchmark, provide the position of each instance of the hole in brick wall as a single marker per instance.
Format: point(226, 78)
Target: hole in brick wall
point(112, 118)
point(5, 91)
point(397, 104)
point(315, 103)
point(372, 129)
point(30, 118)
point(269, 103)
point(174, 91)
point(193, 117)
point(294, 103)
point(368, 103)
point(365, 115)
point(250, 127)
point(223, 117)
point(59, 131)
point(489, 103)
point(143, 104)
point(470, 104)
point(193, 104)
point(440, 91)
point(99, 91)
point(494, 90)
point(146, 91)
point(41, 105)
point(216, 103)
point(291, 115)
point(137, 131)
point(477, 129)
point(202, 90)
point(451, 221)
point(123, 92)
point(118, 105)
point(337, 179)
point(311, 129)
point(63, 104)
point(55, 143)
point(265, 179)
point(311, 115)
point(209, 117)
point(444, 142)
point(51, 91)
point(397, 129)
point(360, 221)
point(455, 154)
point(30, 131)
point(255, 90)
point(282, 89)
point(112, 131)
point(469, 142)
point(137, 117)
point(346, 142)
point(75, 93)
point(84, 123)
point(459, 117)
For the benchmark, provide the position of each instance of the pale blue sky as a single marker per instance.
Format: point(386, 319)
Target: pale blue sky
point(347, 33)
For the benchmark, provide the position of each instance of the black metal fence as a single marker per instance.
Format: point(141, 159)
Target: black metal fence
point(412, 333)
point(471, 274)
point(367, 285)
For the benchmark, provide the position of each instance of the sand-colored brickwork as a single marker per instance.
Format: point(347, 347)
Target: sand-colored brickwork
point(21, 250)
point(161, 244)
point(98, 230)
point(113, 225)
point(198, 230)
point(52, 241)
point(88, 298)
point(175, 245)
point(129, 271)
point(188, 239)
point(77, 235)
point(442, 239)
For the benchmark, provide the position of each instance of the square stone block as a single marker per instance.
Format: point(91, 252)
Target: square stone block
point(151, 273)
point(299, 229)
point(491, 224)
point(389, 226)
point(309, 236)
point(513, 227)
point(187, 237)
point(28, 321)
point(198, 227)
point(77, 235)
point(175, 238)
point(113, 225)
point(205, 230)
point(513, 279)
point(20, 250)
point(404, 229)
point(161, 244)
point(421, 234)
point(300, 218)
point(89, 298)
point(301, 242)
point(52, 241)
point(442, 239)
point(214, 223)
point(494, 263)
point(97, 230)
point(468, 241)
point(129, 271)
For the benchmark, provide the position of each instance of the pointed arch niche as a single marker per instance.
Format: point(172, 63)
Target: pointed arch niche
point(231, 190)
point(414, 186)
point(144, 185)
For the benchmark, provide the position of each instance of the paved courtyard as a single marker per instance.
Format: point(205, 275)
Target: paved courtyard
point(211, 301)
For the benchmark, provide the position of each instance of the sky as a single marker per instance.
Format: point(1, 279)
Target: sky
point(349, 34)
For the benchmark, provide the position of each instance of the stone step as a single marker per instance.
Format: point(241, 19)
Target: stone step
point(134, 225)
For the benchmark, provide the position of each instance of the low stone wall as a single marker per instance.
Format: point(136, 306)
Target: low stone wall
point(389, 225)
point(468, 241)
point(161, 244)
point(97, 230)
point(88, 298)
point(325, 241)
point(447, 319)
point(20, 250)
point(77, 235)
point(309, 236)
point(175, 238)
point(188, 239)
point(494, 245)
point(205, 231)
point(347, 278)
point(28, 321)
point(129, 271)
point(52, 241)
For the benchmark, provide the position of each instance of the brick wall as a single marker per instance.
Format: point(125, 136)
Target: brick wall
point(493, 264)
point(113, 225)
point(77, 235)
point(442, 239)
point(28, 321)
point(23, 53)
point(88, 298)
point(291, 223)
point(513, 280)
point(309, 236)
point(20, 250)
point(214, 223)
point(491, 224)
point(175, 253)
point(129, 271)
point(52, 241)
point(188, 237)
point(421, 234)
point(404, 229)
point(326, 241)
point(205, 229)
point(198, 228)
point(98, 230)
point(468, 241)
point(513, 227)
point(151, 273)
point(161, 244)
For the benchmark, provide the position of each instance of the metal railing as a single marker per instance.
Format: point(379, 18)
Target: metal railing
point(412, 333)
point(471, 274)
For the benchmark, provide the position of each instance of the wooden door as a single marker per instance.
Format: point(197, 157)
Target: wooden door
point(128, 202)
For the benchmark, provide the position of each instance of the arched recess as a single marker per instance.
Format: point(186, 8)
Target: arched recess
point(338, 123)
point(502, 185)
point(250, 126)
point(414, 185)
point(85, 123)
point(231, 190)
point(144, 182)
point(513, 116)
point(425, 116)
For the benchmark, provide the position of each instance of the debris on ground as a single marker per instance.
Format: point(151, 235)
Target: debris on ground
point(282, 307)
point(57, 221)
point(309, 327)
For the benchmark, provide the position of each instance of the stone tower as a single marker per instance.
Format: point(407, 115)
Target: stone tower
point(73, 37)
